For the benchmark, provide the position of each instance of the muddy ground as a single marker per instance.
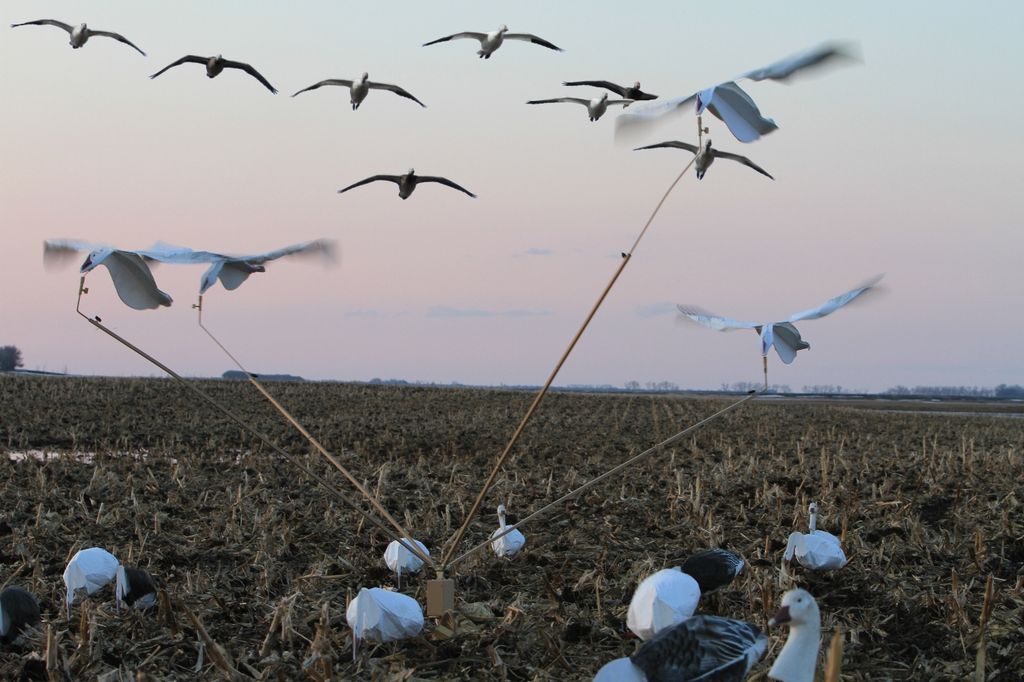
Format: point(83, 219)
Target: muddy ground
point(930, 506)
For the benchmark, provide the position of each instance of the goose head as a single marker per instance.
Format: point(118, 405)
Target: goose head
point(636, 84)
point(365, 76)
point(94, 258)
point(503, 29)
point(798, 608)
point(812, 509)
point(501, 515)
point(707, 145)
point(411, 173)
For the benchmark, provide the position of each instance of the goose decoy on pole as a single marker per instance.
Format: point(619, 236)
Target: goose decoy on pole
point(706, 156)
point(134, 587)
point(489, 42)
point(133, 280)
point(19, 610)
point(360, 88)
point(81, 33)
point(633, 93)
point(215, 65)
point(407, 183)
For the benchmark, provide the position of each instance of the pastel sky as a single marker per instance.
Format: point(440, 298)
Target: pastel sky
point(908, 164)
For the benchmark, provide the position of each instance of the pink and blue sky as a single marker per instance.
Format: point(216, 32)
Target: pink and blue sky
point(907, 164)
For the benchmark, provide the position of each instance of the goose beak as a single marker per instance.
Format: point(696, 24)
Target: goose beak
point(781, 616)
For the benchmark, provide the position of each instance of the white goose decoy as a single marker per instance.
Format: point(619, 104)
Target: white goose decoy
point(80, 34)
point(401, 560)
point(817, 550)
point(359, 88)
point(633, 93)
point(489, 42)
point(706, 156)
point(782, 335)
point(134, 587)
point(216, 64)
point(19, 610)
point(729, 102)
point(89, 570)
point(131, 275)
point(713, 569)
point(799, 657)
point(595, 107)
point(662, 600)
point(407, 183)
point(382, 616)
point(509, 543)
point(699, 648)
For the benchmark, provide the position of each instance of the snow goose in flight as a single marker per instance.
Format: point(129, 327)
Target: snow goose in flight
point(509, 542)
point(707, 156)
point(633, 93)
point(489, 42)
point(360, 87)
point(817, 550)
point(80, 34)
point(407, 183)
point(595, 107)
point(729, 102)
point(216, 64)
point(19, 610)
point(782, 335)
point(799, 657)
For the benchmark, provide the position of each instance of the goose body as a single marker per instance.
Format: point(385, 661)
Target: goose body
point(706, 156)
point(215, 65)
point(401, 560)
point(134, 587)
point(489, 42)
point(799, 656)
point(360, 88)
point(596, 107)
point(19, 610)
point(817, 550)
point(632, 93)
point(662, 600)
point(407, 183)
point(712, 569)
point(509, 542)
point(80, 34)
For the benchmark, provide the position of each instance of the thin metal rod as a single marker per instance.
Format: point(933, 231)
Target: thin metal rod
point(611, 472)
point(95, 322)
point(489, 483)
point(411, 546)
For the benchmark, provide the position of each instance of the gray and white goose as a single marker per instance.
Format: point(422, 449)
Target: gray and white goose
point(360, 88)
point(595, 107)
point(713, 569)
point(407, 183)
point(707, 156)
point(215, 65)
point(81, 33)
point(489, 42)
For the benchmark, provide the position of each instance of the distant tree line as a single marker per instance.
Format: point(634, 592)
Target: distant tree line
point(10, 358)
point(943, 391)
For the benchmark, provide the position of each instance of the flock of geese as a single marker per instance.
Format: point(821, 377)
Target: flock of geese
point(678, 645)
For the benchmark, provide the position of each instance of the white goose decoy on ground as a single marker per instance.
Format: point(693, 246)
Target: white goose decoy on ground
point(729, 102)
point(633, 93)
point(130, 273)
point(382, 616)
point(89, 570)
point(359, 88)
point(799, 657)
point(80, 34)
point(713, 569)
point(19, 610)
point(509, 543)
point(216, 64)
point(401, 560)
point(407, 183)
point(595, 107)
point(662, 600)
point(699, 648)
point(134, 587)
point(489, 42)
point(817, 550)
point(706, 156)
point(783, 336)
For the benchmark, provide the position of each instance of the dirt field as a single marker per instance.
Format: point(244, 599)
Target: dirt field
point(931, 505)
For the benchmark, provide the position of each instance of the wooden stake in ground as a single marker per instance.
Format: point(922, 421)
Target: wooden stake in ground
point(834, 660)
point(986, 609)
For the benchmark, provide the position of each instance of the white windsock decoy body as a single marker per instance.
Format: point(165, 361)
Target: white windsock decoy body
point(360, 88)
point(712, 568)
point(509, 543)
point(132, 278)
point(400, 560)
point(595, 107)
point(89, 569)
point(382, 616)
point(729, 102)
point(662, 600)
point(489, 42)
point(19, 609)
point(817, 550)
point(799, 657)
point(81, 33)
point(134, 587)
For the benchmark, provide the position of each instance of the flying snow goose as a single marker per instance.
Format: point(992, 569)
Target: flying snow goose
point(80, 34)
point(633, 93)
point(712, 569)
point(729, 102)
point(89, 570)
point(134, 587)
point(699, 648)
point(382, 616)
point(707, 156)
point(799, 657)
point(399, 559)
point(407, 183)
point(216, 64)
point(595, 107)
point(661, 600)
point(817, 550)
point(509, 543)
point(782, 335)
point(359, 88)
point(131, 275)
point(489, 42)
point(19, 610)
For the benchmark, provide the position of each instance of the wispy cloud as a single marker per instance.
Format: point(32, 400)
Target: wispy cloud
point(371, 314)
point(656, 309)
point(449, 311)
point(539, 252)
